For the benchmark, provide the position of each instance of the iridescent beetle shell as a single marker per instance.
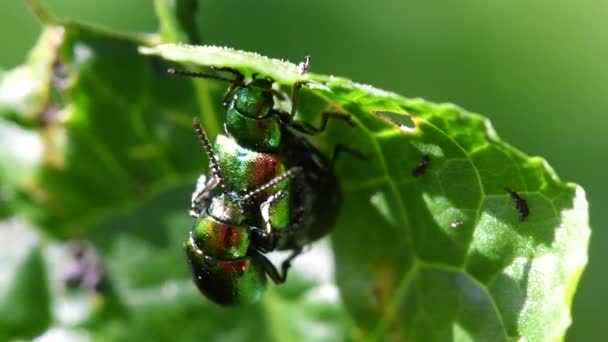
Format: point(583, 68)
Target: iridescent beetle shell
point(268, 189)
point(229, 282)
point(249, 118)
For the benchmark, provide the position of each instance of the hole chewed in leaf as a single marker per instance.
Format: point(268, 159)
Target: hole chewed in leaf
point(402, 120)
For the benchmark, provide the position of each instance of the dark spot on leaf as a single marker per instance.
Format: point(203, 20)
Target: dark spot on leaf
point(520, 204)
point(420, 169)
point(402, 120)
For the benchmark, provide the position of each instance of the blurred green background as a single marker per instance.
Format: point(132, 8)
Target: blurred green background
point(537, 69)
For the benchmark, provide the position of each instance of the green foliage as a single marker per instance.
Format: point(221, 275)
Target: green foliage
point(111, 158)
point(25, 303)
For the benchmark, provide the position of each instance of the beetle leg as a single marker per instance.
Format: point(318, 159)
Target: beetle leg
point(271, 270)
point(295, 97)
point(287, 262)
point(201, 194)
point(339, 149)
point(306, 128)
point(295, 90)
point(267, 238)
point(265, 208)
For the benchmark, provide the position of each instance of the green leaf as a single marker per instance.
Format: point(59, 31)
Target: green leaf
point(446, 247)
point(6, 209)
point(433, 252)
point(24, 290)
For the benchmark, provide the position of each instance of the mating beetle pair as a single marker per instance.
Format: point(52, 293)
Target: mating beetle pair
point(268, 189)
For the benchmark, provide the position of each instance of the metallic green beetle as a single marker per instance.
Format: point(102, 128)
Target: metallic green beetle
point(268, 189)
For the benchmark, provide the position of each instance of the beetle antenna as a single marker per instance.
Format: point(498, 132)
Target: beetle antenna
point(215, 165)
point(276, 180)
point(187, 73)
point(238, 77)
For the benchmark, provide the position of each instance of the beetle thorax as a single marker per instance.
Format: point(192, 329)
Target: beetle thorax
point(249, 118)
point(226, 208)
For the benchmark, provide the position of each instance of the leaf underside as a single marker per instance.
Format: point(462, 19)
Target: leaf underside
point(429, 245)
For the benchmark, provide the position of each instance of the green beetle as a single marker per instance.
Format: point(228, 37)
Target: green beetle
point(268, 189)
